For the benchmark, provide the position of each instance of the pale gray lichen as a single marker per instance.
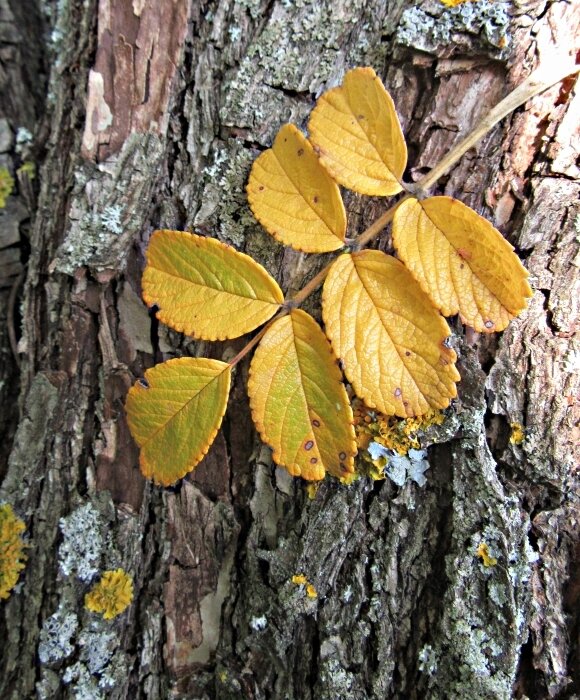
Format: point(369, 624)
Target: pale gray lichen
point(83, 686)
point(56, 636)
point(432, 26)
point(48, 685)
point(335, 679)
point(259, 623)
point(97, 647)
point(428, 660)
point(97, 235)
point(280, 61)
point(225, 208)
point(81, 549)
point(400, 468)
point(111, 218)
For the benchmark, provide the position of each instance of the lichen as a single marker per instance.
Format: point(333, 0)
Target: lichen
point(225, 209)
point(28, 168)
point(396, 434)
point(259, 623)
point(83, 685)
point(82, 546)
point(112, 595)
point(56, 636)
point(389, 446)
point(484, 554)
point(517, 435)
point(110, 218)
point(12, 546)
point(436, 27)
point(6, 186)
point(303, 582)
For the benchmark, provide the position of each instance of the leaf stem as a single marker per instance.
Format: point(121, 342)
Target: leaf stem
point(538, 81)
point(256, 339)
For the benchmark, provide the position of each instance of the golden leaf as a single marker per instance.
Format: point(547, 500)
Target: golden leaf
point(357, 134)
point(174, 414)
point(390, 338)
point(461, 261)
point(205, 288)
point(298, 401)
point(293, 196)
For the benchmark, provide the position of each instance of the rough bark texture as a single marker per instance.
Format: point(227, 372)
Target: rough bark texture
point(151, 116)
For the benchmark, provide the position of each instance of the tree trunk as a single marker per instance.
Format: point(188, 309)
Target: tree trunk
point(150, 118)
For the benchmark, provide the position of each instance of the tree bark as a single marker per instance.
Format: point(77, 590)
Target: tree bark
point(151, 116)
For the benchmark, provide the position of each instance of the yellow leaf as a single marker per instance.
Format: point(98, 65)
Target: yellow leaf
point(358, 137)
point(174, 414)
point(205, 288)
point(298, 401)
point(390, 338)
point(463, 263)
point(293, 196)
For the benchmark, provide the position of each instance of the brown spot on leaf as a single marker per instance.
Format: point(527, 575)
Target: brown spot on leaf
point(313, 460)
point(407, 353)
point(464, 254)
point(443, 361)
point(316, 423)
point(143, 383)
point(342, 455)
point(300, 151)
point(261, 187)
point(398, 392)
point(308, 445)
point(489, 324)
point(315, 199)
point(342, 466)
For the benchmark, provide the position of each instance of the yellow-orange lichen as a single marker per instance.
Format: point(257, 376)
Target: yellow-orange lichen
point(112, 595)
point(12, 556)
point(483, 553)
point(397, 434)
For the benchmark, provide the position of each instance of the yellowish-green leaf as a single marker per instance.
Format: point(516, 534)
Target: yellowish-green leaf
point(174, 414)
point(391, 339)
point(293, 196)
point(298, 401)
point(463, 263)
point(356, 132)
point(205, 288)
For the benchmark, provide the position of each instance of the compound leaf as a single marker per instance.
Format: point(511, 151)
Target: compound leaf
point(298, 401)
point(293, 196)
point(463, 263)
point(174, 414)
point(205, 288)
point(356, 132)
point(392, 341)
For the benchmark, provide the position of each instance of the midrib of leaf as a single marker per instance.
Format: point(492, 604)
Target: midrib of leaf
point(185, 405)
point(303, 391)
point(473, 272)
point(217, 289)
point(391, 337)
point(362, 130)
point(305, 198)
